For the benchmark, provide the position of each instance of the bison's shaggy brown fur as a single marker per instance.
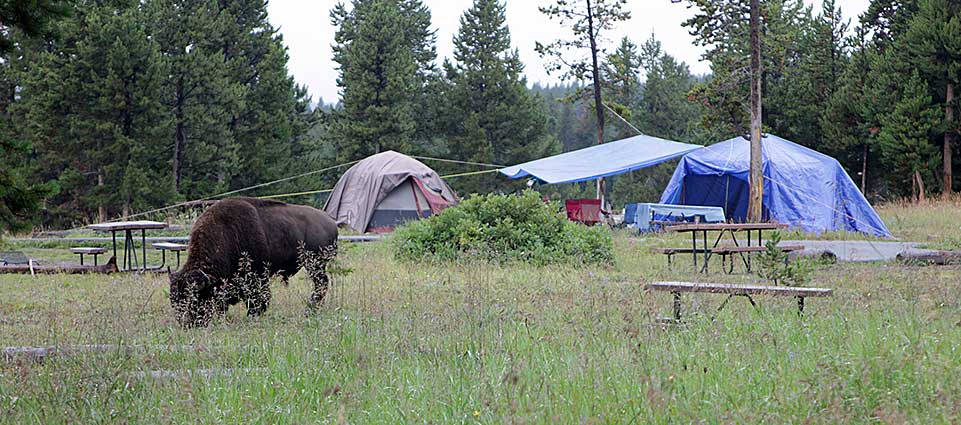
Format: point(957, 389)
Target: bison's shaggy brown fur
point(237, 245)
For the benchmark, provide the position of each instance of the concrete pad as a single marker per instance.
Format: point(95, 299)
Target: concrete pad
point(858, 251)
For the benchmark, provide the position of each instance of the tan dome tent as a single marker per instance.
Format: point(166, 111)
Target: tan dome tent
point(386, 190)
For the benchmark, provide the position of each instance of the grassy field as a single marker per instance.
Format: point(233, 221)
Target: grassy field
point(479, 343)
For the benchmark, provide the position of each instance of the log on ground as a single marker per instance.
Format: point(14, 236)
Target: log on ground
point(109, 267)
point(930, 256)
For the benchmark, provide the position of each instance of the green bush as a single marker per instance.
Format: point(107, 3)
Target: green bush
point(503, 228)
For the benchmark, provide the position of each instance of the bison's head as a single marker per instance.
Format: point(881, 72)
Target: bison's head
point(192, 296)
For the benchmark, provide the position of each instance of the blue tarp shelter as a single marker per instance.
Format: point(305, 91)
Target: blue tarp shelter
point(802, 187)
point(603, 160)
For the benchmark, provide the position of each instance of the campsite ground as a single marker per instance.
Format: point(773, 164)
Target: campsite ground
point(475, 342)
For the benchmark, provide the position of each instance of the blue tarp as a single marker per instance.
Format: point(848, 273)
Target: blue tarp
point(802, 187)
point(603, 160)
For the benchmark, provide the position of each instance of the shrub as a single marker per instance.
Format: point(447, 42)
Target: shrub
point(503, 228)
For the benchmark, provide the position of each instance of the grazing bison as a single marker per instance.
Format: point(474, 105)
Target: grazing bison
point(237, 244)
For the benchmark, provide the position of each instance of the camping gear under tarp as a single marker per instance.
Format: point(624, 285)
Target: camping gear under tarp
point(602, 160)
point(803, 188)
point(386, 190)
point(641, 215)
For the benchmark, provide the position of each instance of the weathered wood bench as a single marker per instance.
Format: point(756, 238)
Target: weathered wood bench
point(676, 288)
point(88, 251)
point(163, 247)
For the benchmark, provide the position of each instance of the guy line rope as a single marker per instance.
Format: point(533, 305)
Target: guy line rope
point(257, 186)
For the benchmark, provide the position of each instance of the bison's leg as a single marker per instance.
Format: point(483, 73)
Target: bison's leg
point(318, 275)
point(258, 296)
point(220, 303)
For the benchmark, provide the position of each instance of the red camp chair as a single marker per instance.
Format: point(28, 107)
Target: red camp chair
point(586, 211)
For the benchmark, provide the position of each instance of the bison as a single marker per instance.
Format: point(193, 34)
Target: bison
point(238, 244)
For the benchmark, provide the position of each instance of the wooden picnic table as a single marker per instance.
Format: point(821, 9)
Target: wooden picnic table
point(730, 228)
point(129, 247)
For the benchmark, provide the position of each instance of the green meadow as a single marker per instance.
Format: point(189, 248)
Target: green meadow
point(475, 342)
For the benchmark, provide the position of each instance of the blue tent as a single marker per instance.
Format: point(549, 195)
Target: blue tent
point(802, 187)
point(603, 160)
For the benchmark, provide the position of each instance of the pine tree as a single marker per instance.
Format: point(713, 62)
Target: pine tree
point(664, 110)
point(903, 139)
point(382, 47)
point(722, 27)
point(19, 200)
point(931, 44)
point(798, 99)
point(885, 20)
point(200, 93)
point(33, 19)
point(843, 122)
point(588, 21)
point(493, 117)
point(621, 71)
point(273, 113)
point(96, 113)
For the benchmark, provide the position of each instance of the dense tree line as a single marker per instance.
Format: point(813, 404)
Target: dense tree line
point(117, 106)
point(19, 198)
point(130, 105)
point(880, 96)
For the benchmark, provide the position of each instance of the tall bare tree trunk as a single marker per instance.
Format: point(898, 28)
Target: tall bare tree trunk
point(598, 105)
point(101, 210)
point(864, 170)
point(920, 184)
point(948, 119)
point(756, 196)
point(914, 189)
point(180, 137)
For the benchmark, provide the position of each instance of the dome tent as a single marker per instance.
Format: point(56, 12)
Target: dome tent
point(385, 190)
point(803, 188)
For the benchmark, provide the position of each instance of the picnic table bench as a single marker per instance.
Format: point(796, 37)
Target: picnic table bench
point(94, 251)
point(676, 288)
point(163, 247)
point(723, 251)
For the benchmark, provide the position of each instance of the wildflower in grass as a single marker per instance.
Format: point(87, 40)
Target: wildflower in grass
point(476, 413)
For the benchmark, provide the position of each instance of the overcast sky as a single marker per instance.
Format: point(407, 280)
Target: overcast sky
point(308, 34)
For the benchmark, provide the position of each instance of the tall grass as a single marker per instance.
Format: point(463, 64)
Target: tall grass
point(935, 222)
point(471, 342)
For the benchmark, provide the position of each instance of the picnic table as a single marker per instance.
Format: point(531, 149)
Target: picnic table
point(130, 261)
point(731, 229)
